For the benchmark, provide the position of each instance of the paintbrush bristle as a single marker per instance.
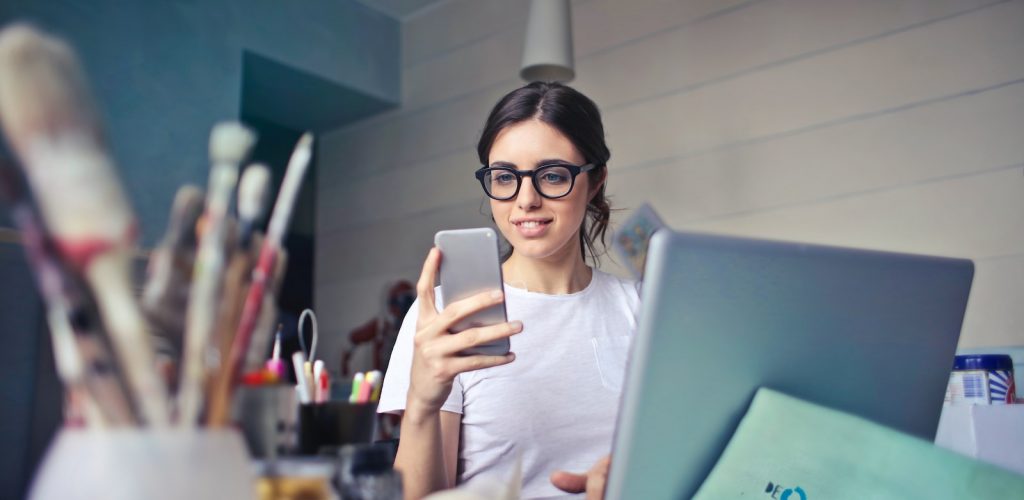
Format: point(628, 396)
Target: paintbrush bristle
point(252, 192)
point(297, 166)
point(305, 142)
point(42, 89)
point(230, 142)
point(54, 128)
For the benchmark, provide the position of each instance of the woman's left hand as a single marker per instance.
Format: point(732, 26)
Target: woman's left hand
point(592, 482)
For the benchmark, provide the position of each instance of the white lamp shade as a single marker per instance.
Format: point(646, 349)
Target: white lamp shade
point(547, 52)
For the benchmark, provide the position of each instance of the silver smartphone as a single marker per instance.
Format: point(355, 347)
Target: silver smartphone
point(470, 265)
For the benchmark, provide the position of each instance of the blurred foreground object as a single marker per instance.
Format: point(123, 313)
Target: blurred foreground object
point(51, 123)
point(633, 236)
point(166, 464)
point(97, 393)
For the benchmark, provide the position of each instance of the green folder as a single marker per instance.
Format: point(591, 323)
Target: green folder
point(789, 449)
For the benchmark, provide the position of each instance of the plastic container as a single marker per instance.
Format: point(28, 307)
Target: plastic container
point(981, 379)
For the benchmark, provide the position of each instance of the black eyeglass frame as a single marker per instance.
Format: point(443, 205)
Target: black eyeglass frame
point(574, 170)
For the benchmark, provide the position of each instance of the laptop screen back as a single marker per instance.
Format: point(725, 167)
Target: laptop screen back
point(869, 333)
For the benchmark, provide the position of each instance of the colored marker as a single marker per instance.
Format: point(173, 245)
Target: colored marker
point(324, 386)
point(365, 388)
point(299, 363)
point(274, 364)
point(376, 380)
point(318, 371)
point(357, 382)
point(307, 369)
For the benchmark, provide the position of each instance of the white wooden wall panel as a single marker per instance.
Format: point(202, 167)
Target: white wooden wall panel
point(993, 313)
point(977, 216)
point(759, 35)
point(959, 136)
point(970, 52)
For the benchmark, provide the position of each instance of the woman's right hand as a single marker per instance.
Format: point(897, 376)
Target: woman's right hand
point(435, 360)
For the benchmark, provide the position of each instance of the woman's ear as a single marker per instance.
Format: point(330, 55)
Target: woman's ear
point(596, 185)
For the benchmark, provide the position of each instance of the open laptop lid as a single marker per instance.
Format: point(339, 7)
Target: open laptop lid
point(870, 333)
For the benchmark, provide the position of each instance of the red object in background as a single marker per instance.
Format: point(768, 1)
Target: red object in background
point(381, 332)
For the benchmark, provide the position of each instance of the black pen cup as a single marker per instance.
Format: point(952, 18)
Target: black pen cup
point(325, 427)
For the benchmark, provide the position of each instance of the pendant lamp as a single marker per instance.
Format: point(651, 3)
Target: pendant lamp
point(547, 52)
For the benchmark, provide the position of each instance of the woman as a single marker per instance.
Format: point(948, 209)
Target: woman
point(552, 402)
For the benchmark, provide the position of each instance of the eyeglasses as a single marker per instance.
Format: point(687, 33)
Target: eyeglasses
point(552, 181)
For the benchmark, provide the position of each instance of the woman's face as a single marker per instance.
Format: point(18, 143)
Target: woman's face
point(538, 227)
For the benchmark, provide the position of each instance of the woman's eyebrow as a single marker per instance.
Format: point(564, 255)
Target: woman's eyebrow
point(541, 163)
point(549, 161)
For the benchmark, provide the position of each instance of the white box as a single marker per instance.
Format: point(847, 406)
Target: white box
point(990, 433)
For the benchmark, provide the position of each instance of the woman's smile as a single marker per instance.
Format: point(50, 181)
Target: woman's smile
point(531, 227)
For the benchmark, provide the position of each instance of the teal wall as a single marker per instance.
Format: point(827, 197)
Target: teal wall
point(165, 71)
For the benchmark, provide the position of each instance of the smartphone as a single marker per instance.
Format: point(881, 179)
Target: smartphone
point(470, 265)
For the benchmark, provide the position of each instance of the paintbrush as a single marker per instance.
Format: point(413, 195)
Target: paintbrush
point(81, 357)
point(229, 144)
point(263, 331)
point(165, 295)
point(252, 197)
point(52, 126)
point(253, 189)
point(271, 247)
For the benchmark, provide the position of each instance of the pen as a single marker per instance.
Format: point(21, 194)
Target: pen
point(357, 382)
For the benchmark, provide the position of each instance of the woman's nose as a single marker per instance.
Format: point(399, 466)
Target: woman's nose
point(528, 196)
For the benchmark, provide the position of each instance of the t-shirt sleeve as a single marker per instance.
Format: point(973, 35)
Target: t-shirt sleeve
point(396, 380)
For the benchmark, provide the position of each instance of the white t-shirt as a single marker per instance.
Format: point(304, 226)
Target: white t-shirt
point(556, 403)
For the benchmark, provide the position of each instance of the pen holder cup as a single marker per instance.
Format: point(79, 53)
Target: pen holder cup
point(325, 427)
point(268, 417)
point(145, 463)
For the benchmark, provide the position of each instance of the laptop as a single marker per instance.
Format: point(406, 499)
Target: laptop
point(869, 333)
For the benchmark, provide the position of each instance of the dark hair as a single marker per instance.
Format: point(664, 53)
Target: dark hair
point(576, 117)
